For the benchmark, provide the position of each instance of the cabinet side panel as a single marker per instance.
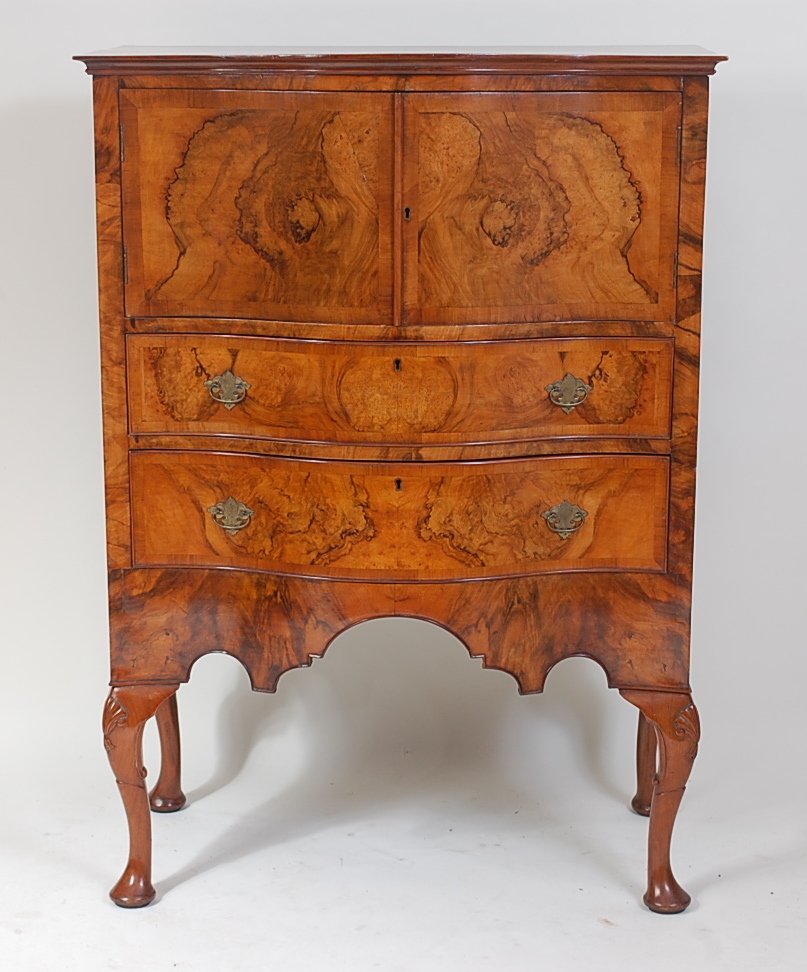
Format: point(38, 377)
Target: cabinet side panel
point(110, 281)
point(687, 328)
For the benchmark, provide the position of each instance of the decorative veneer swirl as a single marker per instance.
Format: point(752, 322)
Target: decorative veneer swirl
point(413, 393)
point(399, 520)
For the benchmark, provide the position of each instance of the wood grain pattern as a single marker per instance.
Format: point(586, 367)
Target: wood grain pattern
point(443, 333)
point(268, 81)
point(399, 521)
point(110, 307)
point(635, 625)
point(414, 393)
point(688, 325)
point(541, 206)
point(258, 204)
point(405, 452)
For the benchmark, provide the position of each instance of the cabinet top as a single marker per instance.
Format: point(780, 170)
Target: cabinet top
point(406, 60)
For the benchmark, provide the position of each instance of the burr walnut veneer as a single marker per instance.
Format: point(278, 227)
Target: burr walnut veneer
point(409, 334)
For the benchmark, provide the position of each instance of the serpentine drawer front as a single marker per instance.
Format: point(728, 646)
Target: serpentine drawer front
point(400, 521)
point(403, 334)
point(394, 392)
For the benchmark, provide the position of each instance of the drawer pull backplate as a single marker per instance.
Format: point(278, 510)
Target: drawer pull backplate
point(565, 518)
point(228, 389)
point(568, 392)
point(231, 515)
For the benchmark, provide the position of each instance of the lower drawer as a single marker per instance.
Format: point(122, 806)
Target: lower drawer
point(399, 521)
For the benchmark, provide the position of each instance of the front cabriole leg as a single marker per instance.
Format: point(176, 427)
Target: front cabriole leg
point(675, 719)
point(126, 712)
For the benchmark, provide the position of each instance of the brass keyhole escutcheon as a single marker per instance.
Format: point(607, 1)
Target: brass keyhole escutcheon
point(398, 364)
point(399, 485)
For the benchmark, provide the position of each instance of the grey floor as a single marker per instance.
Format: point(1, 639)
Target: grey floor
point(397, 808)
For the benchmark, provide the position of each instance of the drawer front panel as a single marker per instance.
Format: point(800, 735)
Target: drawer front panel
point(425, 393)
point(400, 521)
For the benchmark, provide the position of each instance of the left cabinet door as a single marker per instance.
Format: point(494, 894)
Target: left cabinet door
point(268, 205)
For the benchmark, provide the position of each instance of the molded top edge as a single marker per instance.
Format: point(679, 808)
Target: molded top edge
point(412, 60)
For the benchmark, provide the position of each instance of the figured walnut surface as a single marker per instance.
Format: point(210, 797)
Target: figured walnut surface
point(633, 77)
point(320, 331)
point(502, 221)
point(396, 393)
point(635, 625)
point(110, 307)
point(253, 204)
point(398, 520)
point(540, 206)
point(487, 81)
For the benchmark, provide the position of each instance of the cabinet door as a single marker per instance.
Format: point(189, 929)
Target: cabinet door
point(272, 205)
point(529, 207)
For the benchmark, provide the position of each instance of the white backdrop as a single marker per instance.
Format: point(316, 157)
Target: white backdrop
point(395, 807)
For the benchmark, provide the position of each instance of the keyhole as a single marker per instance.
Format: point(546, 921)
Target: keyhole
point(407, 212)
point(398, 364)
point(399, 484)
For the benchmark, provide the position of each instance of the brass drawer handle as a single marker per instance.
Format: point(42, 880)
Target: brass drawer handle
point(565, 518)
point(231, 515)
point(228, 389)
point(568, 392)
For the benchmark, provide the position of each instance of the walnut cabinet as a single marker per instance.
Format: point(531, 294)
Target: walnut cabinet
point(409, 334)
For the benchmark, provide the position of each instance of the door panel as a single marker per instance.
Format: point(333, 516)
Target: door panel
point(270, 205)
point(540, 206)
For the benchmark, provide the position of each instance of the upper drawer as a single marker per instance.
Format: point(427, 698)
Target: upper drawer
point(536, 207)
point(396, 392)
point(273, 205)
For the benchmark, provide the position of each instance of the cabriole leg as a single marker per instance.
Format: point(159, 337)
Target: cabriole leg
point(167, 795)
point(675, 719)
point(125, 714)
point(645, 766)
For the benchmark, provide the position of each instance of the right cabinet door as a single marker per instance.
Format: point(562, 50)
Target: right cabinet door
point(540, 207)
